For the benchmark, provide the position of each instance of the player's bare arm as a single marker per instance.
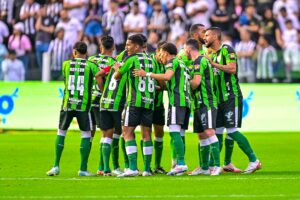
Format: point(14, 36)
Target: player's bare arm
point(160, 77)
point(229, 68)
point(195, 82)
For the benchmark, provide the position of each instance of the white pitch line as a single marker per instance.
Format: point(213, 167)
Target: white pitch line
point(155, 196)
point(152, 178)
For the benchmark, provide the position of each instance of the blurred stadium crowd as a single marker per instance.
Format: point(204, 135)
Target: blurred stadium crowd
point(265, 33)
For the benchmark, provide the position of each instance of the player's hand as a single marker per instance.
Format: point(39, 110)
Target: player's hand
point(116, 66)
point(209, 59)
point(139, 72)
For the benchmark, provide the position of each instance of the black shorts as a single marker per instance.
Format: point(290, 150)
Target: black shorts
point(111, 119)
point(204, 118)
point(159, 116)
point(95, 112)
point(84, 120)
point(230, 113)
point(179, 116)
point(135, 116)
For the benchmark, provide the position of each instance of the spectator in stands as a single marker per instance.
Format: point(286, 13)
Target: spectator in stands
point(77, 8)
point(135, 22)
point(73, 28)
point(297, 50)
point(250, 21)
point(245, 50)
point(197, 10)
point(53, 9)
point(4, 33)
point(6, 11)
point(290, 40)
point(93, 27)
point(177, 24)
point(227, 39)
point(3, 52)
point(12, 68)
point(158, 21)
point(269, 27)
point(266, 60)
point(221, 17)
point(45, 28)
point(92, 48)
point(60, 50)
point(291, 7)
point(283, 16)
point(112, 23)
point(153, 40)
point(28, 15)
point(142, 5)
point(20, 43)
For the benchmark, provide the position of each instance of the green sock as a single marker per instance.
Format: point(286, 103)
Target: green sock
point(141, 145)
point(199, 153)
point(84, 152)
point(126, 161)
point(215, 151)
point(147, 152)
point(182, 134)
point(101, 163)
point(229, 144)
point(106, 149)
point(244, 145)
point(59, 147)
point(91, 142)
point(179, 147)
point(173, 153)
point(204, 154)
point(115, 151)
point(158, 147)
point(220, 139)
point(131, 150)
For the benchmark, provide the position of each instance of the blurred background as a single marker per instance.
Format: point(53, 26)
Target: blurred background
point(37, 35)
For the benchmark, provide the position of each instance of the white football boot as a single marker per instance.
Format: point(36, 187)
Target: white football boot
point(54, 171)
point(252, 167)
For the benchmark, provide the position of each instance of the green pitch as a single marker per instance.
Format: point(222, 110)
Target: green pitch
point(26, 156)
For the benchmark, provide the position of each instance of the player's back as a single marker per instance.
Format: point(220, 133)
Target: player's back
point(141, 90)
point(79, 76)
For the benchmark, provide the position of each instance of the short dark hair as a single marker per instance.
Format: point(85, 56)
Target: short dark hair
point(144, 38)
point(81, 47)
point(136, 39)
point(11, 52)
point(160, 44)
point(107, 42)
point(288, 21)
point(266, 38)
point(170, 48)
point(194, 44)
point(282, 9)
point(114, 1)
point(194, 28)
point(216, 30)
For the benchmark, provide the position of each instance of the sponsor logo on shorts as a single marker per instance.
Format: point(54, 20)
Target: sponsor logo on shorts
point(7, 105)
point(229, 116)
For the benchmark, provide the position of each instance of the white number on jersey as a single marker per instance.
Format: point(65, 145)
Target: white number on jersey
point(79, 85)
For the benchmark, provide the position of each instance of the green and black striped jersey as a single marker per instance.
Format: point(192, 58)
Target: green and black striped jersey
point(227, 85)
point(122, 56)
point(159, 95)
point(179, 85)
point(114, 93)
point(79, 77)
point(141, 90)
point(204, 94)
point(102, 61)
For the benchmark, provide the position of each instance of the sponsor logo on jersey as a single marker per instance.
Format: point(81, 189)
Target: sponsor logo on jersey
point(7, 105)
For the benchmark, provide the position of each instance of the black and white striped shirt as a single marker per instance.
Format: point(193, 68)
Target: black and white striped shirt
point(246, 64)
point(29, 22)
point(59, 52)
point(53, 10)
point(6, 6)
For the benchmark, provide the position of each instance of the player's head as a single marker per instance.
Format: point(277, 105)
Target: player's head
point(144, 38)
point(212, 35)
point(79, 50)
point(107, 43)
point(197, 31)
point(158, 51)
point(134, 44)
point(191, 46)
point(168, 50)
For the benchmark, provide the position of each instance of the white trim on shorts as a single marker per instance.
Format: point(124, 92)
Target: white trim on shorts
point(236, 117)
point(173, 115)
point(126, 116)
point(209, 119)
point(90, 121)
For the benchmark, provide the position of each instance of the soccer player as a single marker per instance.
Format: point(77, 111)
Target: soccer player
point(230, 99)
point(108, 141)
point(205, 113)
point(178, 86)
point(140, 104)
point(159, 113)
point(79, 76)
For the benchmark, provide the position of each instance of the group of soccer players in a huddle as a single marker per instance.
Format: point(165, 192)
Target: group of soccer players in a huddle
point(119, 94)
